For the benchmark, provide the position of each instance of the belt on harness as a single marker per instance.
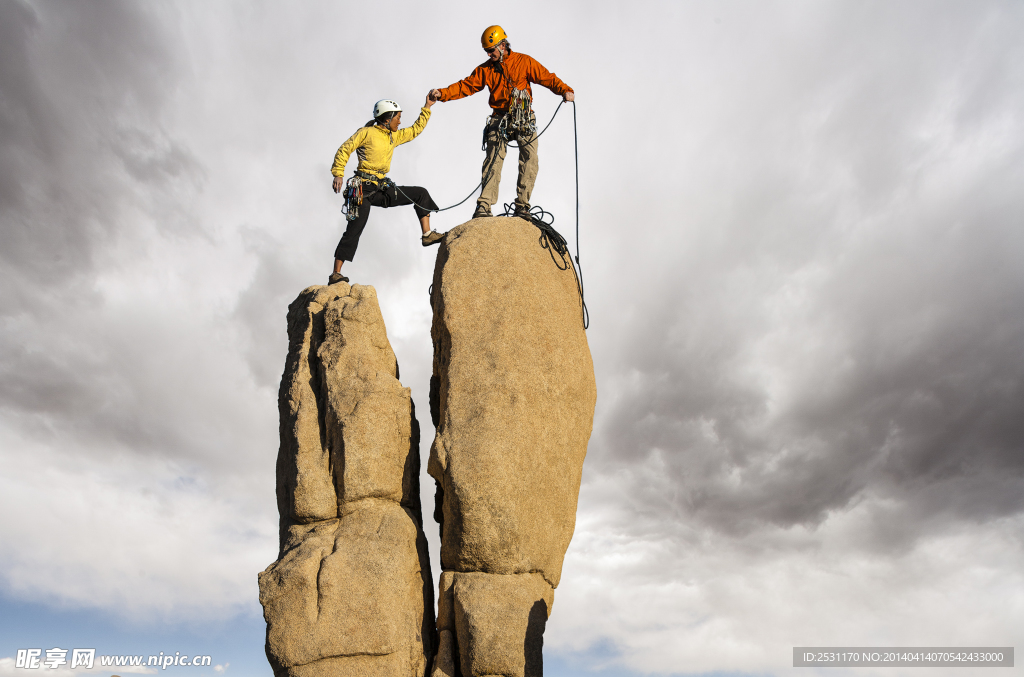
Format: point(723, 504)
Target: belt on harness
point(382, 182)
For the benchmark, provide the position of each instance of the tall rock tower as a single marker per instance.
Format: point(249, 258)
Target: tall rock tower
point(351, 592)
point(512, 398)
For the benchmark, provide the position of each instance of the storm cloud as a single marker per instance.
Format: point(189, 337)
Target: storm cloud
point(853, 320)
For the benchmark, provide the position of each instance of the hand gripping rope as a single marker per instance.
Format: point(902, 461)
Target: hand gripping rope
point(550, 238)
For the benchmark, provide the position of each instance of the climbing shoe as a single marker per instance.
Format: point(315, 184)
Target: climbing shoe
point(481, 211)
point(432, 237)
point(336, 278)
point(522, 212)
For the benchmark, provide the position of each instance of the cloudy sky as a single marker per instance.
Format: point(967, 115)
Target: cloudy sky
point(802, 233)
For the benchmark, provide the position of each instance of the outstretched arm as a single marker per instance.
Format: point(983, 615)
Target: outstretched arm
point(465, 87)
point(407, 134)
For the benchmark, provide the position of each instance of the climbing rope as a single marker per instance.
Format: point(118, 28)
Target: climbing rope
point(576, 155)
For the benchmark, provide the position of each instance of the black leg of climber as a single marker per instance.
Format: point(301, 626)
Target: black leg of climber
point(375, 143)
point(507, 76)
point(387, 197)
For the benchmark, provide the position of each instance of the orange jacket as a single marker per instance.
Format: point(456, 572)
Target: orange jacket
point(520, 68)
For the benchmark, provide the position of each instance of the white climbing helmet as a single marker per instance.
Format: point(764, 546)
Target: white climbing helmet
point(385, 106)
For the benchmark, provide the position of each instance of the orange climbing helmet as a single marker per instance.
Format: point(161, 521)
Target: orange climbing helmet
point(492, 36)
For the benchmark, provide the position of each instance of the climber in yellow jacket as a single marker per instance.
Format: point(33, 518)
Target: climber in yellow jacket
point(374, 144)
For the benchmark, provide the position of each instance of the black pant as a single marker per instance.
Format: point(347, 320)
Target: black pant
point(372, 196)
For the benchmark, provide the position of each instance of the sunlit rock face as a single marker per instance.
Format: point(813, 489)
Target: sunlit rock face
point(512, 398)
point(351, 592)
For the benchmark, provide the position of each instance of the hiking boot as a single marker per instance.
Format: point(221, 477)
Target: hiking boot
point(482, 211)
point(523, 212)
point(335, 278)
point(432, 237)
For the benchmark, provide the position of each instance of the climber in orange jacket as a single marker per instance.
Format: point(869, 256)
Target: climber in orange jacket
point(507, 75)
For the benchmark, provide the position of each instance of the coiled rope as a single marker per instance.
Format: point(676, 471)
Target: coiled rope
point(553, 241)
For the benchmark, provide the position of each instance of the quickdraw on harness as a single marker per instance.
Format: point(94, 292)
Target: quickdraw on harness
point(354, 193)
point(518, 122)
point(353, 198)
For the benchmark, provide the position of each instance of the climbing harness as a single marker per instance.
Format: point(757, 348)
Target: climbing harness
point(383, 182)
point(354, 193)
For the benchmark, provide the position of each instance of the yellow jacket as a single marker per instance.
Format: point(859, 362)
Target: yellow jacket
point(374, 145)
